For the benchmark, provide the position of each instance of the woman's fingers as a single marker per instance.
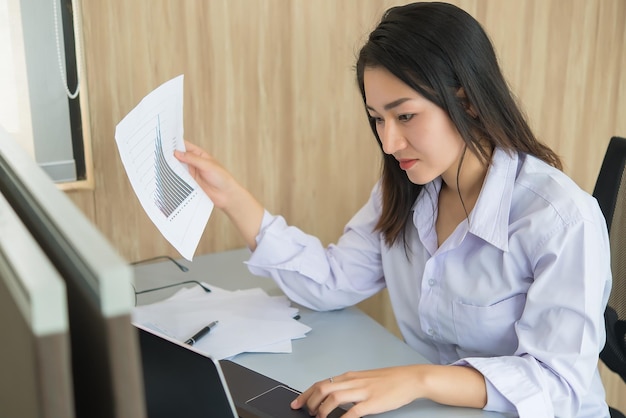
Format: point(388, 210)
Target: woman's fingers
point(371, 392)
point(191, 147)
point(324, 396)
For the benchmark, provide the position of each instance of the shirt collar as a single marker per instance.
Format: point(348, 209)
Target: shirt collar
point(489, 219)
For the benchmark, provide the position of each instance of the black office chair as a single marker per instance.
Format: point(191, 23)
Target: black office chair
point(610, 191)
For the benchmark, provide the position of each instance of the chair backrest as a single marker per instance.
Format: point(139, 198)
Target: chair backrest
point(610, 191)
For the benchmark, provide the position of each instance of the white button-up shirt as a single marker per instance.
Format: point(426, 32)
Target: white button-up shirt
point(517, 291)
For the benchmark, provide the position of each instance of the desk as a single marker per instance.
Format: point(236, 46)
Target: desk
point(339, 341)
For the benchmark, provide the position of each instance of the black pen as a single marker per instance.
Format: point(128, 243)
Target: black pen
point(204, 331)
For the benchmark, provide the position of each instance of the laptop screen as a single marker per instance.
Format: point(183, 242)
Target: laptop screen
point(181, 382)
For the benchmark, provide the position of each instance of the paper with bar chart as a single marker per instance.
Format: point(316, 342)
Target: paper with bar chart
point(146, 139)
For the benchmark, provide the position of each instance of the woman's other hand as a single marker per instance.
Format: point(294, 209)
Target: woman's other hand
point(382, 390)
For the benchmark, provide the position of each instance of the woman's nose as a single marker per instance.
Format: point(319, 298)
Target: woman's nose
point(392, 138)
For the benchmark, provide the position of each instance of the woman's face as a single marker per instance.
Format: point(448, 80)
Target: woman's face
point(418, 133)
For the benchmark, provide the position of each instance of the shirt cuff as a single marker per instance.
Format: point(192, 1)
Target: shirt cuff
point(281, 247)
point(510, 390)
point(496, 401)
point(265, 222)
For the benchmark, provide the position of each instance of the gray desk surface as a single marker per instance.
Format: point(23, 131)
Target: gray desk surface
point(339, 341)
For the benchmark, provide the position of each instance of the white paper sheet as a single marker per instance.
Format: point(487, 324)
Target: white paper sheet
point(146, 139)
point(249, 320)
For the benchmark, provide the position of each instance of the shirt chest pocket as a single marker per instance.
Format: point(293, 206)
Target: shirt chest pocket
point(487, 330)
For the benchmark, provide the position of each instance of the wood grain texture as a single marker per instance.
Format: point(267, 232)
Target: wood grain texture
point(270, 91)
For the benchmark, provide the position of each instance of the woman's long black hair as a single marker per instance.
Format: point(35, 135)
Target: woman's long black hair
point(444, 54)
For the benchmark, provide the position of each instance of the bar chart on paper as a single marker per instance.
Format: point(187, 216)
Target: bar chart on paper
point(146, 139)
point(170, 189)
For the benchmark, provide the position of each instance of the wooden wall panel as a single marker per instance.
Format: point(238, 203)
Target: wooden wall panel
point(269, 88)
point(270, 91)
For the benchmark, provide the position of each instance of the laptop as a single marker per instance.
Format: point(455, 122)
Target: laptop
point(182, 381)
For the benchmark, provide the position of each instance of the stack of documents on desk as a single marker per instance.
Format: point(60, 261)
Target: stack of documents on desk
point(249, 320)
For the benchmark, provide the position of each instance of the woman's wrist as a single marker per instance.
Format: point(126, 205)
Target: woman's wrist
point(452, 385)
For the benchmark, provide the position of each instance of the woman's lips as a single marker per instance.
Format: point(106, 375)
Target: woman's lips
point(406, 164)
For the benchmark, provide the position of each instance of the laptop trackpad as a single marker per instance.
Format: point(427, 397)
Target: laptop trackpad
point(275, 402)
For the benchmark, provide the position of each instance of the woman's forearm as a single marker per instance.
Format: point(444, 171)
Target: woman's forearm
point(246, 213)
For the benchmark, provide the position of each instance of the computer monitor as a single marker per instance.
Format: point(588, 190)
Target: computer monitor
point(35, 369)
point(106, 366)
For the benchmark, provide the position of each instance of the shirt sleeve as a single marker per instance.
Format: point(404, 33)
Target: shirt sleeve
point(561, 330)
point(320, 278)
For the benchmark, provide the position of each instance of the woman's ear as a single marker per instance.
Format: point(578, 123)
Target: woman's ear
point(460, 94)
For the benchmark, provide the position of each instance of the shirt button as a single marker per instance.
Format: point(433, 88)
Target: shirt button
point(431, 282)
point(431, 331)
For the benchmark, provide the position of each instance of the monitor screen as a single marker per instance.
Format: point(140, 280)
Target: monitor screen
point(36, 377)
point(106, 367)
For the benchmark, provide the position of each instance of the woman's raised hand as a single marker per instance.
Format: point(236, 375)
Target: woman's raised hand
point(214, 179)
point(227, 194)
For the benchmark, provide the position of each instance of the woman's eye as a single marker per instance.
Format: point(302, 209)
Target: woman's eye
point(405, 118)
point(377, 120)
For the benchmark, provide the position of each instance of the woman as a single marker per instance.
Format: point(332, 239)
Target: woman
point(497, 264)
